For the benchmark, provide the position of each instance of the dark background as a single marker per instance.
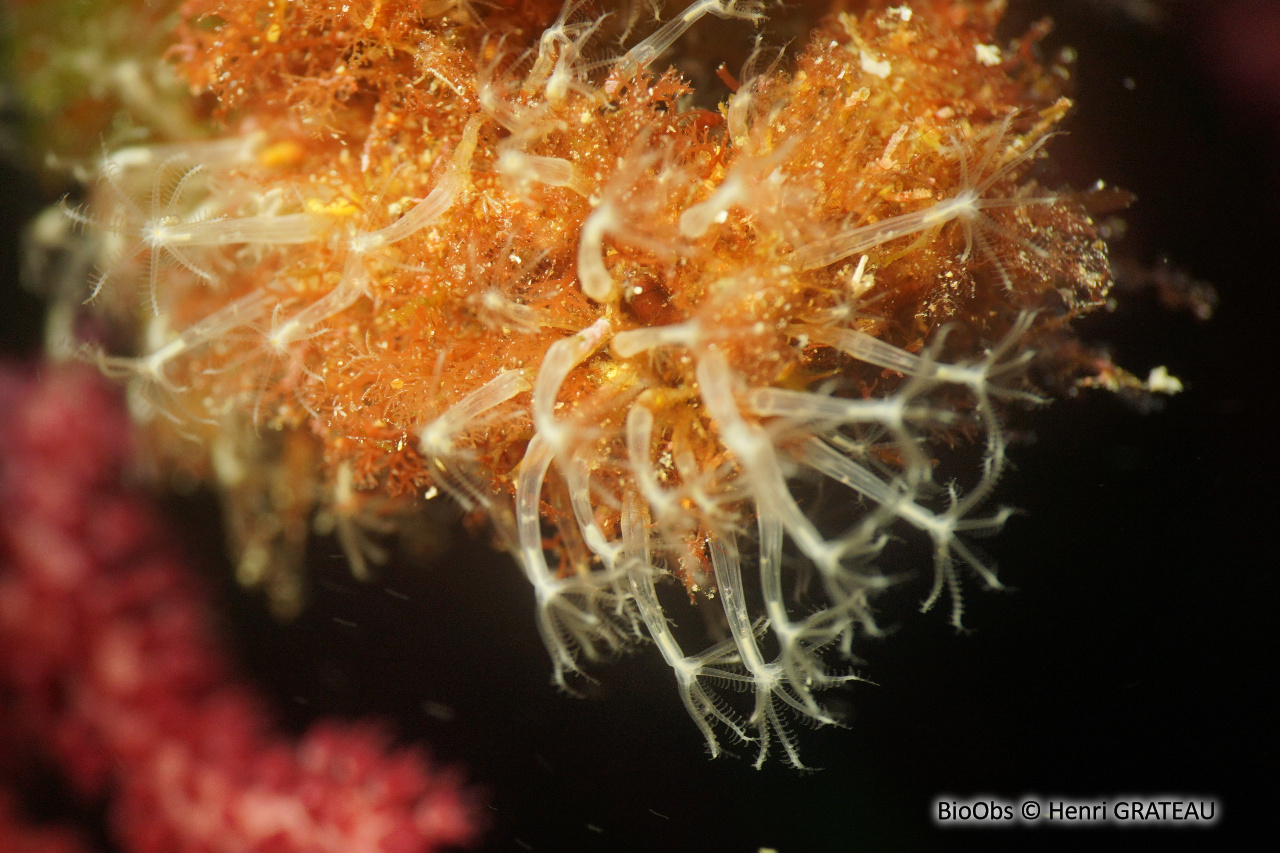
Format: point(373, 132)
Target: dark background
point(1133, 656)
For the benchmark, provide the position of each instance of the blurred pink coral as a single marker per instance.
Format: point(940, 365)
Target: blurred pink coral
point(108, 664)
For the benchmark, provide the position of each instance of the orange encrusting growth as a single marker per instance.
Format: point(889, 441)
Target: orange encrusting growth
point(459, 250)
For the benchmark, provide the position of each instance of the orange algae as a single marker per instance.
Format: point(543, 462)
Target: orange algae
point(474, 249)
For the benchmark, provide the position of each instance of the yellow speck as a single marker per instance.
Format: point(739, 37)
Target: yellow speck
point(285, 153)
point(340, 207)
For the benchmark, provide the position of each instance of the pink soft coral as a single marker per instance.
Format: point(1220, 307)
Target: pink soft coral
point(107, 655)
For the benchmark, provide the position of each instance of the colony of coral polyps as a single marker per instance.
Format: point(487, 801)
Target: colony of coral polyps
point(500, 252)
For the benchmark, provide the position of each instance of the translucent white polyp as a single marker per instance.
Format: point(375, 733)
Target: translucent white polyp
point(522, 166)
point(302, 324)
point(561, 358)
point(437, 438)
point(635, 341)
point(639, 57)
point(594, 277)
point(290, 228)
point(439, 200)
point(759, 459)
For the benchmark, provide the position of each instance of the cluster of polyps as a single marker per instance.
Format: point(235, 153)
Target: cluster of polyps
point(634, 334)
point(774, 436)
